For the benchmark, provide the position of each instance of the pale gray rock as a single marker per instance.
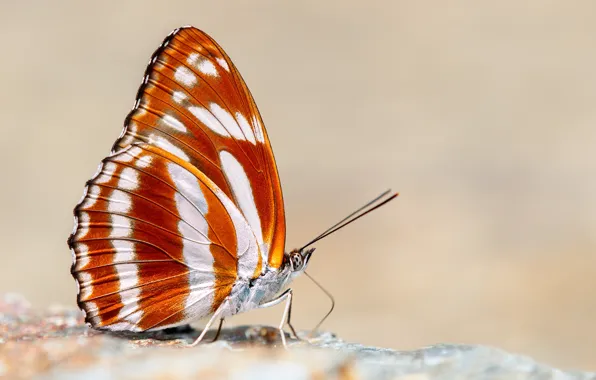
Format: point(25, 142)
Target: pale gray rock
point(55, 344)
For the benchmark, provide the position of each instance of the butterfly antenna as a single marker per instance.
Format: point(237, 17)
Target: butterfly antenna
point(379, 201)
point(355, 212)
point(330, 309)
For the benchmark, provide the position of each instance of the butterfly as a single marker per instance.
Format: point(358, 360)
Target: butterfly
point(185, 218)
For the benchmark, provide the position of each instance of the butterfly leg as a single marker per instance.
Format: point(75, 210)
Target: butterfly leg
point(215, 315)
point(287, 297)
point(221, 321)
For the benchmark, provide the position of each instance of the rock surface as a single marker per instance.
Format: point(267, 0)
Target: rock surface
point(57, 344)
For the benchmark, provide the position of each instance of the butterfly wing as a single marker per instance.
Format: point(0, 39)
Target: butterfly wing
point(188, 202)
point(194, 104)
point(157, 243)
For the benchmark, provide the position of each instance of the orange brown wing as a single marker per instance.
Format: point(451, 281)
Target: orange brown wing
point(156, 243)
point(194, 104)
point(189, 201)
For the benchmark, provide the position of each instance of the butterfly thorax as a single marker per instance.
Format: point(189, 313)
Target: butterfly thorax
point(249, 294)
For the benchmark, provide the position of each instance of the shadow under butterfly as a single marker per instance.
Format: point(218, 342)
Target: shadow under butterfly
point(185, 219)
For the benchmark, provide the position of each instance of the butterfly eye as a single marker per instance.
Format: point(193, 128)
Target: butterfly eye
point(296, 262)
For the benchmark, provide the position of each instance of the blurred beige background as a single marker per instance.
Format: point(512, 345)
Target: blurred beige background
point(481, 114)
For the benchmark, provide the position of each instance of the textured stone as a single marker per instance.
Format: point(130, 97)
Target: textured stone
point(56, 344)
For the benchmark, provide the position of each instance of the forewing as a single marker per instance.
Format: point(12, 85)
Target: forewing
point(194, 104)
point(156, 242)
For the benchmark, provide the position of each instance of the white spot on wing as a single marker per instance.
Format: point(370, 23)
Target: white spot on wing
point(247, 251)
point(209, 120)
point(108, 170)
point(246, 128)
point(82, 225)
point(174, 123)
point(127, 274)
point(85, 287)
point(258, 129)
point(227, 120)
point(91, 307)
point(200, 299)
point(187, 187)
point(203, 64)
point(125, 251)
point(247, 246)
point(192, 208)
point(86, 279)
point(127, 156)
point(222, 62)
point(129, 179)
point(220, 121)
point(134, 151)
point(243, 193)
point(208, 68)
point(129, 294)
point(185, 76)
point(124, 326)
point(91, 194)
point(179, 96)
point(76, 220)
point(82, 256)
point(119, 202)
point(121, 227)
point(192, 59)
point(128, 134)
point(166, 145)
point(132, 127)
point(144, 161)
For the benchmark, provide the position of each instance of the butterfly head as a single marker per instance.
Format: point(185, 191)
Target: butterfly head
point(297, 259)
